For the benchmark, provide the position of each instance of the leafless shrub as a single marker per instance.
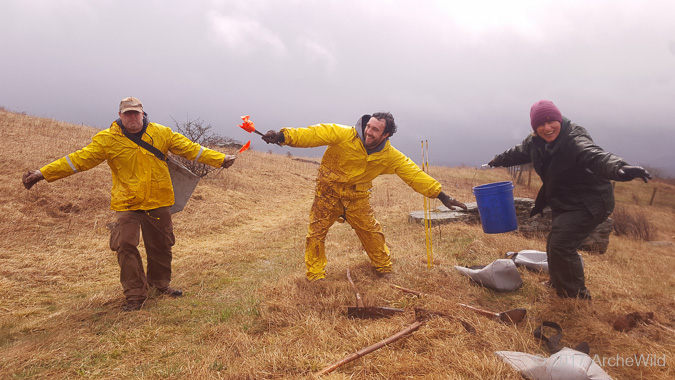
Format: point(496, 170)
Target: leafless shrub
point(633, 224)
point(197, 132)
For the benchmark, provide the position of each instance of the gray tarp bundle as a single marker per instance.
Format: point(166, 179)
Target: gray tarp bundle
point(566, 364)
point(183, 182)
point(531, 259)
point(501, 275)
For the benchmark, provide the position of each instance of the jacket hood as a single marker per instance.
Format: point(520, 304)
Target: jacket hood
point(360, 131)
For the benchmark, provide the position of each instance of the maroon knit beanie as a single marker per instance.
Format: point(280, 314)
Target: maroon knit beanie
point(543, 111)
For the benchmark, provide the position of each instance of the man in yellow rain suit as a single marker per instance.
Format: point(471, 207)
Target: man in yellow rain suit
point(141, 193)
point(354, 157)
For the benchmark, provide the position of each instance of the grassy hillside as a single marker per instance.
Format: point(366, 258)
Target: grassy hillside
point(248, 311)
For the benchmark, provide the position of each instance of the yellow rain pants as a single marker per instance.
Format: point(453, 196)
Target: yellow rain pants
point(352, 206)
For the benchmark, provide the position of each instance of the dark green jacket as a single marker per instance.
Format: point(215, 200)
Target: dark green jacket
point(575, 172)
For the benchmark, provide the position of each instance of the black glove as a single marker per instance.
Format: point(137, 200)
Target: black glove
point(628, 173)
point(492, 163)
point(273, 137)
point(31, 178)
point(450, 202)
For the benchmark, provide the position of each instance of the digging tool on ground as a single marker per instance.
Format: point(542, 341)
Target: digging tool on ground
point(511, 317)
point(363, 311)
point(426, 314)
point(421, 317)
point(365, 351)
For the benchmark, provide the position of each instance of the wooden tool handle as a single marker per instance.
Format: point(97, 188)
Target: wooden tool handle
point(480, 311)
point(359, 301)
point(406, 290)
point(369, 349)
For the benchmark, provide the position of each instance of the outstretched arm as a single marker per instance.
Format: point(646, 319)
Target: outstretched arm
point(421, 182)
point(82, 160)
point(518, 155)
point(186, 148)
point(312, 136)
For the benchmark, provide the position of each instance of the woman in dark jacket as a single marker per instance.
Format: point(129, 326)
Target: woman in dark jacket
point(576, 176)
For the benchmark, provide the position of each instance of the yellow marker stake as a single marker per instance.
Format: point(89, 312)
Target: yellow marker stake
point(427, 210)
point(431, 246)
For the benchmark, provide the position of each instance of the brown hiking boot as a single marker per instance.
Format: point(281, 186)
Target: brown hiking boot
point(169, 291)
point(133, 305)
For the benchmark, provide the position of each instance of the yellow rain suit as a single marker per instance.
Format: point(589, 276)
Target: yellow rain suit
point(342, 192)
point(141, 181)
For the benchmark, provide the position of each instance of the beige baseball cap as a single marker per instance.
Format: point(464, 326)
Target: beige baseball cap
point(131, 104)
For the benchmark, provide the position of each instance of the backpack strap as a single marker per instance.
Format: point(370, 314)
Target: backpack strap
point(143, 144)
point(553, 342)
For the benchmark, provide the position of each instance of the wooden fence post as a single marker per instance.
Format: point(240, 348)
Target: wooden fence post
point(653, 195)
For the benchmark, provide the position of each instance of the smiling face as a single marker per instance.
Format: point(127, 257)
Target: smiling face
point(549, 131)
point(132, 120)
point(374, 133)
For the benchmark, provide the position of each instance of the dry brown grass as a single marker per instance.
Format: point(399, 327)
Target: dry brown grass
point(248, 312)
point(633, 224)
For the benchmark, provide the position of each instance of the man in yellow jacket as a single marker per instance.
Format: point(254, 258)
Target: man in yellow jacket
point(141, 194)
point(354, 157)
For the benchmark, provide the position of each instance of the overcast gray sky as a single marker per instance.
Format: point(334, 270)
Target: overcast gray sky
point(461, 74)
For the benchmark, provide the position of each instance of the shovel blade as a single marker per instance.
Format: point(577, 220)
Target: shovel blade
point(513, 316)
point(371, 312)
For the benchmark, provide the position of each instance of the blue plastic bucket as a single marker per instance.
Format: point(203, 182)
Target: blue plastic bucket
point(496, 207)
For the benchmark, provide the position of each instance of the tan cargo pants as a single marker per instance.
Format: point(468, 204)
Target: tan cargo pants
point(158, 238)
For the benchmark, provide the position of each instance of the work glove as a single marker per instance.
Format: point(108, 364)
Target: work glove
point(228, 161)
point(450, 202)
point(31, 178)
point(629, 173)
point(273, 137)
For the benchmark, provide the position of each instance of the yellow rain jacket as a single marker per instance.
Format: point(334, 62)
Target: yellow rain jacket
point(141, 181)
point(346, 162)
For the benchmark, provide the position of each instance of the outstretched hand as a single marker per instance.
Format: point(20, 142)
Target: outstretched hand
point(31, 178)
point(450, 202)
point(228, 161)
point(273, 137)
point(629, 173)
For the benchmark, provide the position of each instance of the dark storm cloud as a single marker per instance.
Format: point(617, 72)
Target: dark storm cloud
point(460, 74)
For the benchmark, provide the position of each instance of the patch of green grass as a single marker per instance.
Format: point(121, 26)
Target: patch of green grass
point(218, 366)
